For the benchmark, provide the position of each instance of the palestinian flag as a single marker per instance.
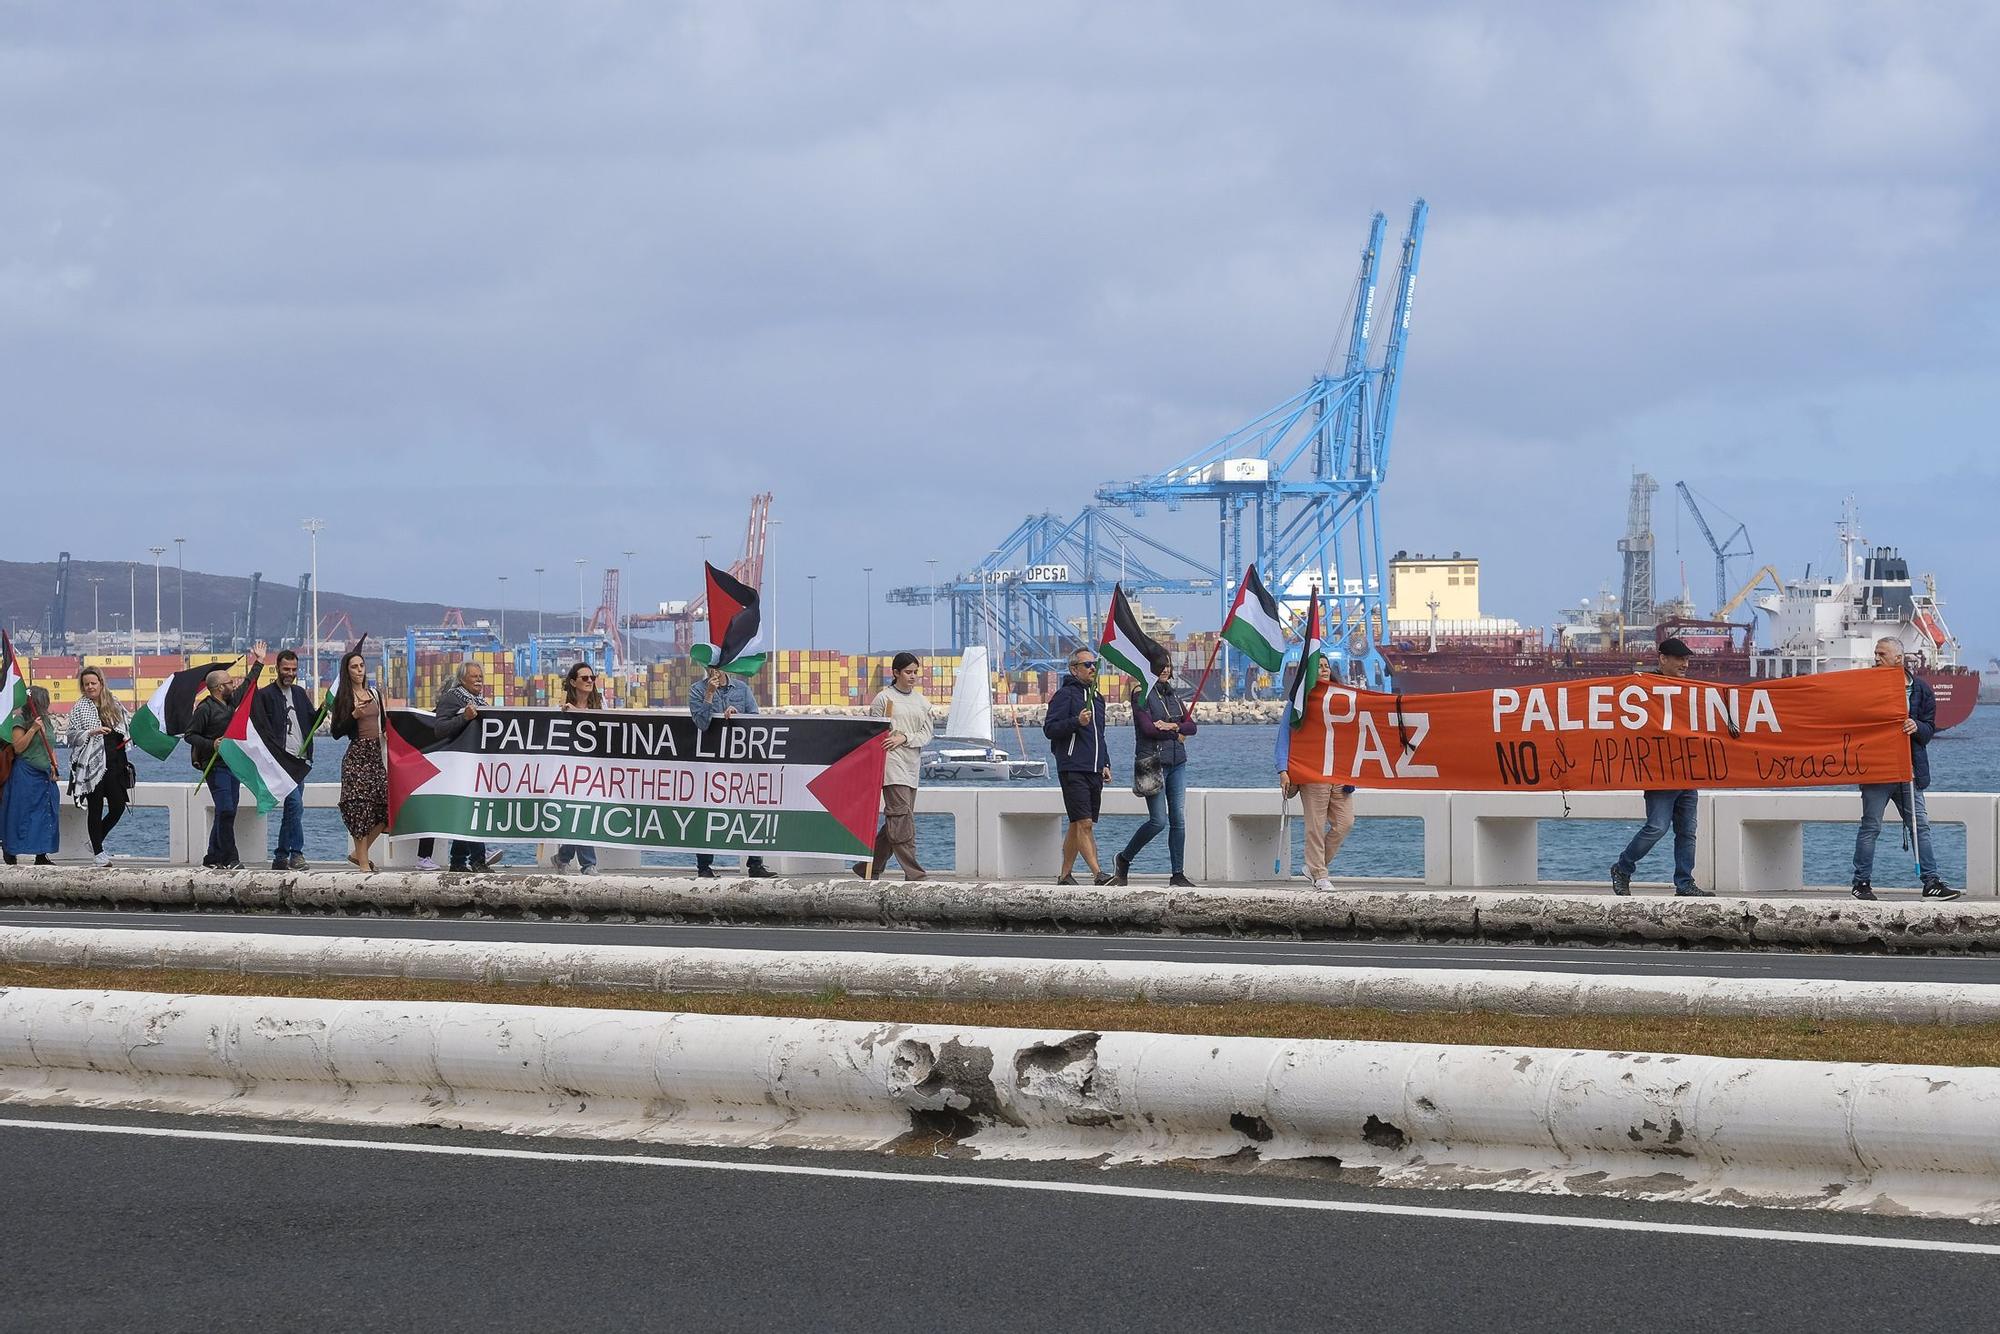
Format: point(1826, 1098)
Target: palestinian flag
point(1253, 625)
point(160, 721)
point(257, 758)
point(1312, 666)
point(735, 627)
point(1125, 646)
point(13, 686)
point(326, 700)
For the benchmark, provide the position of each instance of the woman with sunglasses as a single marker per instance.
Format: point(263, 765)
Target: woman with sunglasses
point(579, 692)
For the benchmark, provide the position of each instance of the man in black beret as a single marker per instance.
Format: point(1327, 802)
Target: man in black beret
point(1665, 808)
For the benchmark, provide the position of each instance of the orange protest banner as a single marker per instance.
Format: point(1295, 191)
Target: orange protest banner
point(1611, 733)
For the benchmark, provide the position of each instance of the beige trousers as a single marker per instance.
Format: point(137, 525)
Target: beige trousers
point(1329, 817)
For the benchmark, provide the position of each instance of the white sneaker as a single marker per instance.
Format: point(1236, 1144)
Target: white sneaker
point(426, 864)
point(587, 870)
point(101, 860)
point(1323, 883)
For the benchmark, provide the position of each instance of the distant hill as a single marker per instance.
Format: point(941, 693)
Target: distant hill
point(215, 602)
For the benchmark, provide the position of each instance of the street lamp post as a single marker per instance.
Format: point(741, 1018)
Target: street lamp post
point(95, 580)
point(540, 602)
point(313, 526)
point(159, 632)
point(703, 539)
point(624, 617)
point(771, 554)
point(580, 563)
point(503, 611)
point(180, 587)
point(932, 562)
point(812, 613)
point(132, 597)
point(868, 603)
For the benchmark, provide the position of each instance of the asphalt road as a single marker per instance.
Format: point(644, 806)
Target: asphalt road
point(280, 1229)
point(978, 944)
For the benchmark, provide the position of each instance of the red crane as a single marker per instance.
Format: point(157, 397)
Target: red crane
point(749, 567)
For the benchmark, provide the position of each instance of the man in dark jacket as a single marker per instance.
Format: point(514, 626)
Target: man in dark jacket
point(1074, 725)
point(457, 705)
point(211, 721)
point(286, 710)
point(1920, 727)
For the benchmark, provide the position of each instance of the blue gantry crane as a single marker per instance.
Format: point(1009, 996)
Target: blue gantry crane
point(1724, 551)
point(1297, 490)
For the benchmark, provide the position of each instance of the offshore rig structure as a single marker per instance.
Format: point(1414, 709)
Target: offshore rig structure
point(1296, 489)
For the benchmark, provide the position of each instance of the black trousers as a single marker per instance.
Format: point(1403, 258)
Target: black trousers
point(104, 808)
point(462, 853)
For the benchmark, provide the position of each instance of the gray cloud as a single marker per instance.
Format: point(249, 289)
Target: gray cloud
point(610, 268)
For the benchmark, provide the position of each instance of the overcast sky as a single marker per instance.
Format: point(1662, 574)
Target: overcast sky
point(489, 286)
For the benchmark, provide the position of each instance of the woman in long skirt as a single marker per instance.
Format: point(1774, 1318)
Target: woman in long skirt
point(28, 802)
point(364, 774)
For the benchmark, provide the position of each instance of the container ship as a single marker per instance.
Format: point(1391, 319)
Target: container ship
point(1812, 624)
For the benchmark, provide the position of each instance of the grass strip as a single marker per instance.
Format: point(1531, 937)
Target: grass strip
point(1788, 1039)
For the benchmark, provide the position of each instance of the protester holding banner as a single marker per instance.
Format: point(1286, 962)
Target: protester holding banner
point(1665, 807)
point(1920, 726)
point(1328, 811)
point(1159, 771)
point(28, 800)
point(100, 774)
point(579, 692)
point(211, 720)
point(720, 694)
point(286, 711)
point(910, 729)
point(364, 779)
point(456, 706)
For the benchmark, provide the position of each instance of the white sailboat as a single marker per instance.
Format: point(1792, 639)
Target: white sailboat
point(964, 748)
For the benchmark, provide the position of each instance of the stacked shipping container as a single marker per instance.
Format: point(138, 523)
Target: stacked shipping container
point(794, 678)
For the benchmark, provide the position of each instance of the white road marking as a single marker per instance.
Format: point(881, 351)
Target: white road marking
point(1018, 1183)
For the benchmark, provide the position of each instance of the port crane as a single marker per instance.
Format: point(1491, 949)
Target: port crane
point(1297, 490)
point(58, 636)
point(1770, 572)
point(681, 619)
point(1724, 551)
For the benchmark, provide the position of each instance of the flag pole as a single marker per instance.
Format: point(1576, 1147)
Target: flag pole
point(1284, 834)
point(1206, 670)
point(34, 716)
point(1218, 644)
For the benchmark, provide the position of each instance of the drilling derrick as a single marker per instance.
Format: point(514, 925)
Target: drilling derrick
point(1636, 600)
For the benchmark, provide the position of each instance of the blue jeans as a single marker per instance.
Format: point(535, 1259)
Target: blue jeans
point(586, 856)
point(1664, 809)
point(1875, 798)
point(292, 824)
point(1165, 809)
point(222, 785)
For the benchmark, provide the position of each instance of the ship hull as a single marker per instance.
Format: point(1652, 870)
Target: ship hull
point(1422, 674)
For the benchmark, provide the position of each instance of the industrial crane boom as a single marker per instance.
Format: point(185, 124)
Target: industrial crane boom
point(1724, 550)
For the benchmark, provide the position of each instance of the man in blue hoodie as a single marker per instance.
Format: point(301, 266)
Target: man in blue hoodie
point(1074, 726)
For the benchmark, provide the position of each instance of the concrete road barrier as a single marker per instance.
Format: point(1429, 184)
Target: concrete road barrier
point(1901, 1140)
point(1368, 914)
point(667, 971)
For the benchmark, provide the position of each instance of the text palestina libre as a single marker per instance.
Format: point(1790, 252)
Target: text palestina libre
point(639, 738)
point(1702, 708)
